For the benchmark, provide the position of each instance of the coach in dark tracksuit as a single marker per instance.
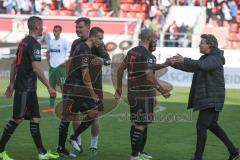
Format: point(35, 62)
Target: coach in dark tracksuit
point(207, 92)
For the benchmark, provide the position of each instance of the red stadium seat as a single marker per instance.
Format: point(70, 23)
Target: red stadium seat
point(65, 13)
point(123, 14)
point(144, 7)
point(143, 1)
point(232, 37)
point(127, 1)
point(229, 45)
point(238, 45)
point(72, 6)
point(131, 28)
point(142, 15)
point(92, 14)
point(238, 19)
point(238, 12)
point(234, 28)
point(136, 7)
point(55, 12)
point(125, 7)
point(131, 15)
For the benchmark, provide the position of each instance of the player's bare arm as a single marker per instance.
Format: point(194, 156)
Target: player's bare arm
point(159, 66)
point(10, 88)
point(120, 72)
point(48, 57)
point(153, 81)
point(40, 74)
point(87, 81)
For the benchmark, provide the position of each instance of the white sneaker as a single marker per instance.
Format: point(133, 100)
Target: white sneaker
point(74, 144)
point(48, 155)
point(145, 155)
point(136, 158)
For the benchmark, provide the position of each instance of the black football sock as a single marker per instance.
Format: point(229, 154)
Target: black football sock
point(36, 135)
point(63, 132)
point(136, 140)
point(144, 140)
point(87, 121)
point(8, 131)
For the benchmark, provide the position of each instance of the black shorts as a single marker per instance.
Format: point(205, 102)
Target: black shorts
point(76, 104)
point(142, 112)
point(25, 105)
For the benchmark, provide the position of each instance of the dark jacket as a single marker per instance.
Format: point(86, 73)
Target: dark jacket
point(208, 86)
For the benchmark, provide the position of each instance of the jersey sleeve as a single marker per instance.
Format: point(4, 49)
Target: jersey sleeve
point(101, 51)
point(35, 52)
point(73, 48)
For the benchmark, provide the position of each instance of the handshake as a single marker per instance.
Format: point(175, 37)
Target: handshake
point(175, 59)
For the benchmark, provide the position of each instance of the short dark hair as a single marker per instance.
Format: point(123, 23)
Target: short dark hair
point(86, 20)
point(146, 34)
point(33, 21)
point(210, 40)
point(58, 26)
point(94, 31)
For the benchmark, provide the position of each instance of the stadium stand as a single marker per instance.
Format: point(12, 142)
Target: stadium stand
point(152, 12)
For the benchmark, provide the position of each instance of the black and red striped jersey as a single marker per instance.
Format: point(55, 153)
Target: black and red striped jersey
point(139, 59)
point(29, 50)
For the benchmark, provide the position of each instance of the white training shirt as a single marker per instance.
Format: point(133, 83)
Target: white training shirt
point(59, 51)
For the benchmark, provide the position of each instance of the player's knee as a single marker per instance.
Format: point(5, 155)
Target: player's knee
point(140, 127)
point(93, 114)
point(35, 120)
point(18, 121)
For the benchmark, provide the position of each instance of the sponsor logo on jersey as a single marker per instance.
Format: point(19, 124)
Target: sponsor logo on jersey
point(55, 50)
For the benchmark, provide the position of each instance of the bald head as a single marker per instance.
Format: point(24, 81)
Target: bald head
point(33, 22)
point(146, 35)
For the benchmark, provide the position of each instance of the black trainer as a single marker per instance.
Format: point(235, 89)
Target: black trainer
point(63, 152)
point(234, 156)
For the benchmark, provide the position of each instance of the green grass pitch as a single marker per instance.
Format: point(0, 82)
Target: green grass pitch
point(171, 137)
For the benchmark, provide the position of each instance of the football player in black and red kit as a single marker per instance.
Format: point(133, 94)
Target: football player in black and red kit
point(23, 79)
point(140, 64)
point(83, 25)
point(78, 91)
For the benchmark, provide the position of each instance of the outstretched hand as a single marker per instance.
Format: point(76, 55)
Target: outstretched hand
point(175, 59)
point(178, 58)
point(9, 91)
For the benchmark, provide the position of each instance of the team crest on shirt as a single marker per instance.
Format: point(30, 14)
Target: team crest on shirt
point(85, 59)
point(37, 52)
point(150, 60)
